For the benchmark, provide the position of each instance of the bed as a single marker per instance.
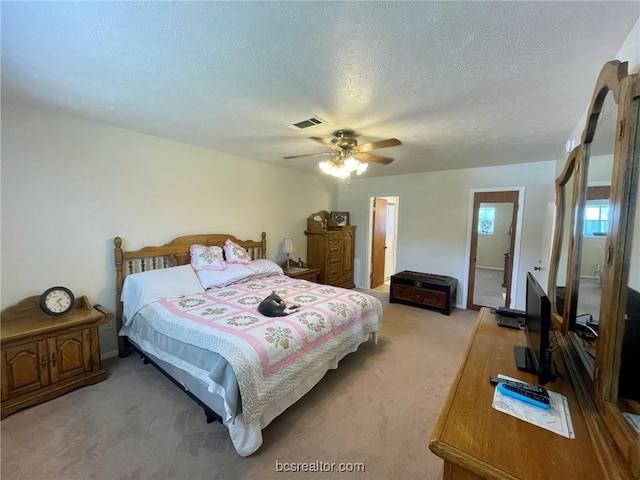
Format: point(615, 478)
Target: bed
point(189, 307)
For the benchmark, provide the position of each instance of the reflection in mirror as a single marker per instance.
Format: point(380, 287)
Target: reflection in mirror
point(628, 383)
point(492, 254)
point(593, 231)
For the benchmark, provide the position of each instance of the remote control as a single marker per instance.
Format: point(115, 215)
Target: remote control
point(525, 395)
point(525, 386)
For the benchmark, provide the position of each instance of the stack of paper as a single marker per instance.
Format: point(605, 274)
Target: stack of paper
point(556, 419)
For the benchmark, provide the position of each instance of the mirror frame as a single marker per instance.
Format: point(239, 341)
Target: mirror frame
point(624, 191)
point(563, 199)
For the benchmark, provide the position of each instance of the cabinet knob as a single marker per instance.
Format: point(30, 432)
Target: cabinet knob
point(43, 361)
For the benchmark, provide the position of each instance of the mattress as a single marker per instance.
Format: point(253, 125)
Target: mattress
point(176, 337)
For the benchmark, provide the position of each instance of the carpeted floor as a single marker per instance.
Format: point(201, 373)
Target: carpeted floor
point(377, 409)
point(488, 289)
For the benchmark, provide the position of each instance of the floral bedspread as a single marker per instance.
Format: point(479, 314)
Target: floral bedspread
point(270, 355)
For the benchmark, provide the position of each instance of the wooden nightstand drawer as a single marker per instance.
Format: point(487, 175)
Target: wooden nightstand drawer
point(310, 274)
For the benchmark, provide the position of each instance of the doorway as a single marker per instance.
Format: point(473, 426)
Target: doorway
point(494, 228)
point(384, 233)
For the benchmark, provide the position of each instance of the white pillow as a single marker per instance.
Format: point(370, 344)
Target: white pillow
point(235, 272)
point(206, 258)
point(234, 253)
point(263, 268)
point(143, 288)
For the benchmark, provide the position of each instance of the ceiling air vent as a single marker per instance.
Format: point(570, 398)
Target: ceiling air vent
point(306, 123)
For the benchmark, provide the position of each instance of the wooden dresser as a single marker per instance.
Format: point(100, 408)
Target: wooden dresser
point(44, 357)
point(476, 441)
point(331, 250)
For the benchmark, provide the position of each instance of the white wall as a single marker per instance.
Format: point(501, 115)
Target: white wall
point(629, 52)
point(433, 213)
point(70, 185)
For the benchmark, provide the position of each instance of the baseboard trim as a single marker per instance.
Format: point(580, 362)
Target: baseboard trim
point(109, 354)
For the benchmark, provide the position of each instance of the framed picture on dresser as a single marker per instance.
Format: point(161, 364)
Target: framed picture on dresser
point(341, 218)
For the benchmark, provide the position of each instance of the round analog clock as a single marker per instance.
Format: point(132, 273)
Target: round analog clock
point(57, 301)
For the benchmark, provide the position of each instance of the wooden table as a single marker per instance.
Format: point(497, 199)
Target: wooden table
point(477, 441)
point(303, 273)
point(44, 357)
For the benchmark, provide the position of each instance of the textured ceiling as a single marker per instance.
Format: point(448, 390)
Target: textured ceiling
point(459, 83)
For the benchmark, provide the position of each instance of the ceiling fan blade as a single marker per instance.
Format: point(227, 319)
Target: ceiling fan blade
point(310, 155)
point(370, 157)
point(389, 142)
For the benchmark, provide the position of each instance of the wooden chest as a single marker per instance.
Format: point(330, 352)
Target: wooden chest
point(424, 290)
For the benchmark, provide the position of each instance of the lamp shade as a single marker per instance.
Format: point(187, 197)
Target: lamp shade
point(287, 245)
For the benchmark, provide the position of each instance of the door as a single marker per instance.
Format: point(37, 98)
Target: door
point(378, 241)
point(493, 238)
point(25, 368)
point(70, 355)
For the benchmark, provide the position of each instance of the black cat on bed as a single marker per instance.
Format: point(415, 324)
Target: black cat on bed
point(274, 306)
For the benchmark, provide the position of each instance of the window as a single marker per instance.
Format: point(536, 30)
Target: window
point(486, 220)
point(596, 219)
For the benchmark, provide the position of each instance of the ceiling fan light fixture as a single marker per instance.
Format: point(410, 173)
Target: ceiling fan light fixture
point(349, 156)
point(342, 167)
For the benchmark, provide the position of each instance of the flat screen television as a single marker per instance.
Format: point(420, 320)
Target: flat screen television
point(537, 357)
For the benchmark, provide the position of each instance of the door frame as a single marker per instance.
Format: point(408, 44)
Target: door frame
point(515, 266)
point(379, 227)
point(396, 198)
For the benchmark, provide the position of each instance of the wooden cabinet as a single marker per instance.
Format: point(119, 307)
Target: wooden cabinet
point(44, 357)
point(331, 250)
point(304, 272)
point(477, 441)
point(310, 274)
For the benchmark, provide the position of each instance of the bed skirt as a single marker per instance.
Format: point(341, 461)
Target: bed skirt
point(246, 438)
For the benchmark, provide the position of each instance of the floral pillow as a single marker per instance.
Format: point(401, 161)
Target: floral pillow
point(234, 253)
point(206, 258)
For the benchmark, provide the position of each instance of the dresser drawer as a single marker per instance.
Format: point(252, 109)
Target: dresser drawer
point(334, 273)
point(334, 244)
point(334, 260)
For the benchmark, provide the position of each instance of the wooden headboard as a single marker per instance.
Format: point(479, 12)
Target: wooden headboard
point(171, 254)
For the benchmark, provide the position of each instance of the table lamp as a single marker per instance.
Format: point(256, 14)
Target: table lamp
point(288, 247)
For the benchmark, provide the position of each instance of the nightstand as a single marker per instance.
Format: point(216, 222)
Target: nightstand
point(44, 357)
point(301, 273)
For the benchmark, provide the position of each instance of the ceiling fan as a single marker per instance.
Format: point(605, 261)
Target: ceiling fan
point(349, 153)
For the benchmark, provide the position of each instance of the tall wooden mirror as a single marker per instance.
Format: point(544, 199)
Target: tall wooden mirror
point(592, 226)
point(617, 365)
point(595, 276)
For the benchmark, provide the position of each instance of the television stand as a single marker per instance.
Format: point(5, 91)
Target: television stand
point(476, 441)
point(524, 361)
